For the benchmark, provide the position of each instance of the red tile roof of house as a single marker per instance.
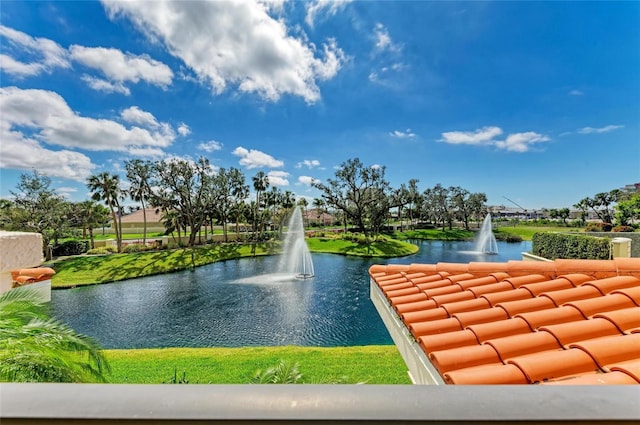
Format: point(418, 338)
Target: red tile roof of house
point(522, 322)
point(153, 216)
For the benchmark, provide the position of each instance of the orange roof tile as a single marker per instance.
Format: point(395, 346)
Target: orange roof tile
point(21, 277)
point(561, 322)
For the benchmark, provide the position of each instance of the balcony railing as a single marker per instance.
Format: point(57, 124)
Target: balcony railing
point(380, 404)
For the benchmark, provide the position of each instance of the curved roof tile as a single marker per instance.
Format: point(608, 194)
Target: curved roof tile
point(555, 323)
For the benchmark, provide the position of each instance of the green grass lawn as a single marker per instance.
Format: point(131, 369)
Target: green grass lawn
point(436, 234)
point(377, 364)
point(91, 270)
point(527, 232)
point(383, 248)
point(150, 235)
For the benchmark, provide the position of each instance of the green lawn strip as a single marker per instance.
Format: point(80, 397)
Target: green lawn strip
point(384, 248)
point(91, 270)
point(527, 232)
point(376, 364)
point(436, 234)
point(150, 235)
point(153, 235)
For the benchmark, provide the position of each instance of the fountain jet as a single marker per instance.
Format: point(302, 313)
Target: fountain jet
point(486, 241)
point(296, 258)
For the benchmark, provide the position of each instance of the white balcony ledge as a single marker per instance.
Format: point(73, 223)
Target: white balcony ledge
point(430, 404)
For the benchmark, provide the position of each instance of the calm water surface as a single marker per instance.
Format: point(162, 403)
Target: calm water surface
point(208, 307)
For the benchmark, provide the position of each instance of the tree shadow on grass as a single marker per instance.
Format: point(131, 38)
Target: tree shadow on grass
point(117, 267)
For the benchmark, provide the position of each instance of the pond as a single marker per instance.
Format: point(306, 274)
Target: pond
point(208, 307)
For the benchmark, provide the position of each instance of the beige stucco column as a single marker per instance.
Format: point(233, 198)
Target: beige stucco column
point(18, 250)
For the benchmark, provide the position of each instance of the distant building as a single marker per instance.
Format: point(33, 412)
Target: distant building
point(134, 222)
point(631, 188)
point(314, 217)
point(501, 211)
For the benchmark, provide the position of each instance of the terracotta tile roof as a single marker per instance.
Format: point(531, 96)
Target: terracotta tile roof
point(521, 322)
point(153, 216)
point(21, 277)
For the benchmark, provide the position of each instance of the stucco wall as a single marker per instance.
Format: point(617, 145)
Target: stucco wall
point(18, 250)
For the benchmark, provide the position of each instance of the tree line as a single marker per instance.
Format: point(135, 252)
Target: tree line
point(192, 195)
point(616, 206)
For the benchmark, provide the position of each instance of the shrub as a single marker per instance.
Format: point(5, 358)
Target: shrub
point(102, 250)
point(507, 237)
point(136, 247)
point(72, 247)
point(557, 245)
point(623, 229)
point(598, 227)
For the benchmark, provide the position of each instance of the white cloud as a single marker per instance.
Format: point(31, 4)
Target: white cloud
point(480, 136)
point(376, 166)
point(14, 67)
point(119, 67)
point(328, 7)
point(23, 153)
point(516, 142)
point(383, 41)
point(235, 43)
point(210, 146)
point(136, 115)
point(184, 130)
point(44, 116)
point(605, 129)
point(307, 180)
point(255, 159)
point(146, 152)
point(403, 134)
point(576, 93)
point(278, 178)
point(46, 54)
point(273, 5)
point(388, 55)
point(99, 84)
point(521, 142)
point(66, 191)
point(308, 163)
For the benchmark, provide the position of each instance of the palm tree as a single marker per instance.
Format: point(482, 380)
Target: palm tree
point(319, 204)
point(304, 203)
point(139, 175)
point(260, 184)
point(90, 215)
point(36, 348)
point(106, 187)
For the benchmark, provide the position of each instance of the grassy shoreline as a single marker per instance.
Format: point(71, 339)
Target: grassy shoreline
point(92, 270)
point(99, 269)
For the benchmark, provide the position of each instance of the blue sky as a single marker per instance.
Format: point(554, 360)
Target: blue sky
point(538, 102)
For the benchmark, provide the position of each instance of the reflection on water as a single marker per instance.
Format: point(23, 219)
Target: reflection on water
point(223, 304)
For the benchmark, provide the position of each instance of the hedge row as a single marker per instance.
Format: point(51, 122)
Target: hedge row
point(558, 245)
point(72, 247)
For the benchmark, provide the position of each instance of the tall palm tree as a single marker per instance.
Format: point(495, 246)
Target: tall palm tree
point(90, 215)
point(319, 204)
point(36, 348)
point(260, 184)
point(304, 203)
point(106, 187)
point(139, 174)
